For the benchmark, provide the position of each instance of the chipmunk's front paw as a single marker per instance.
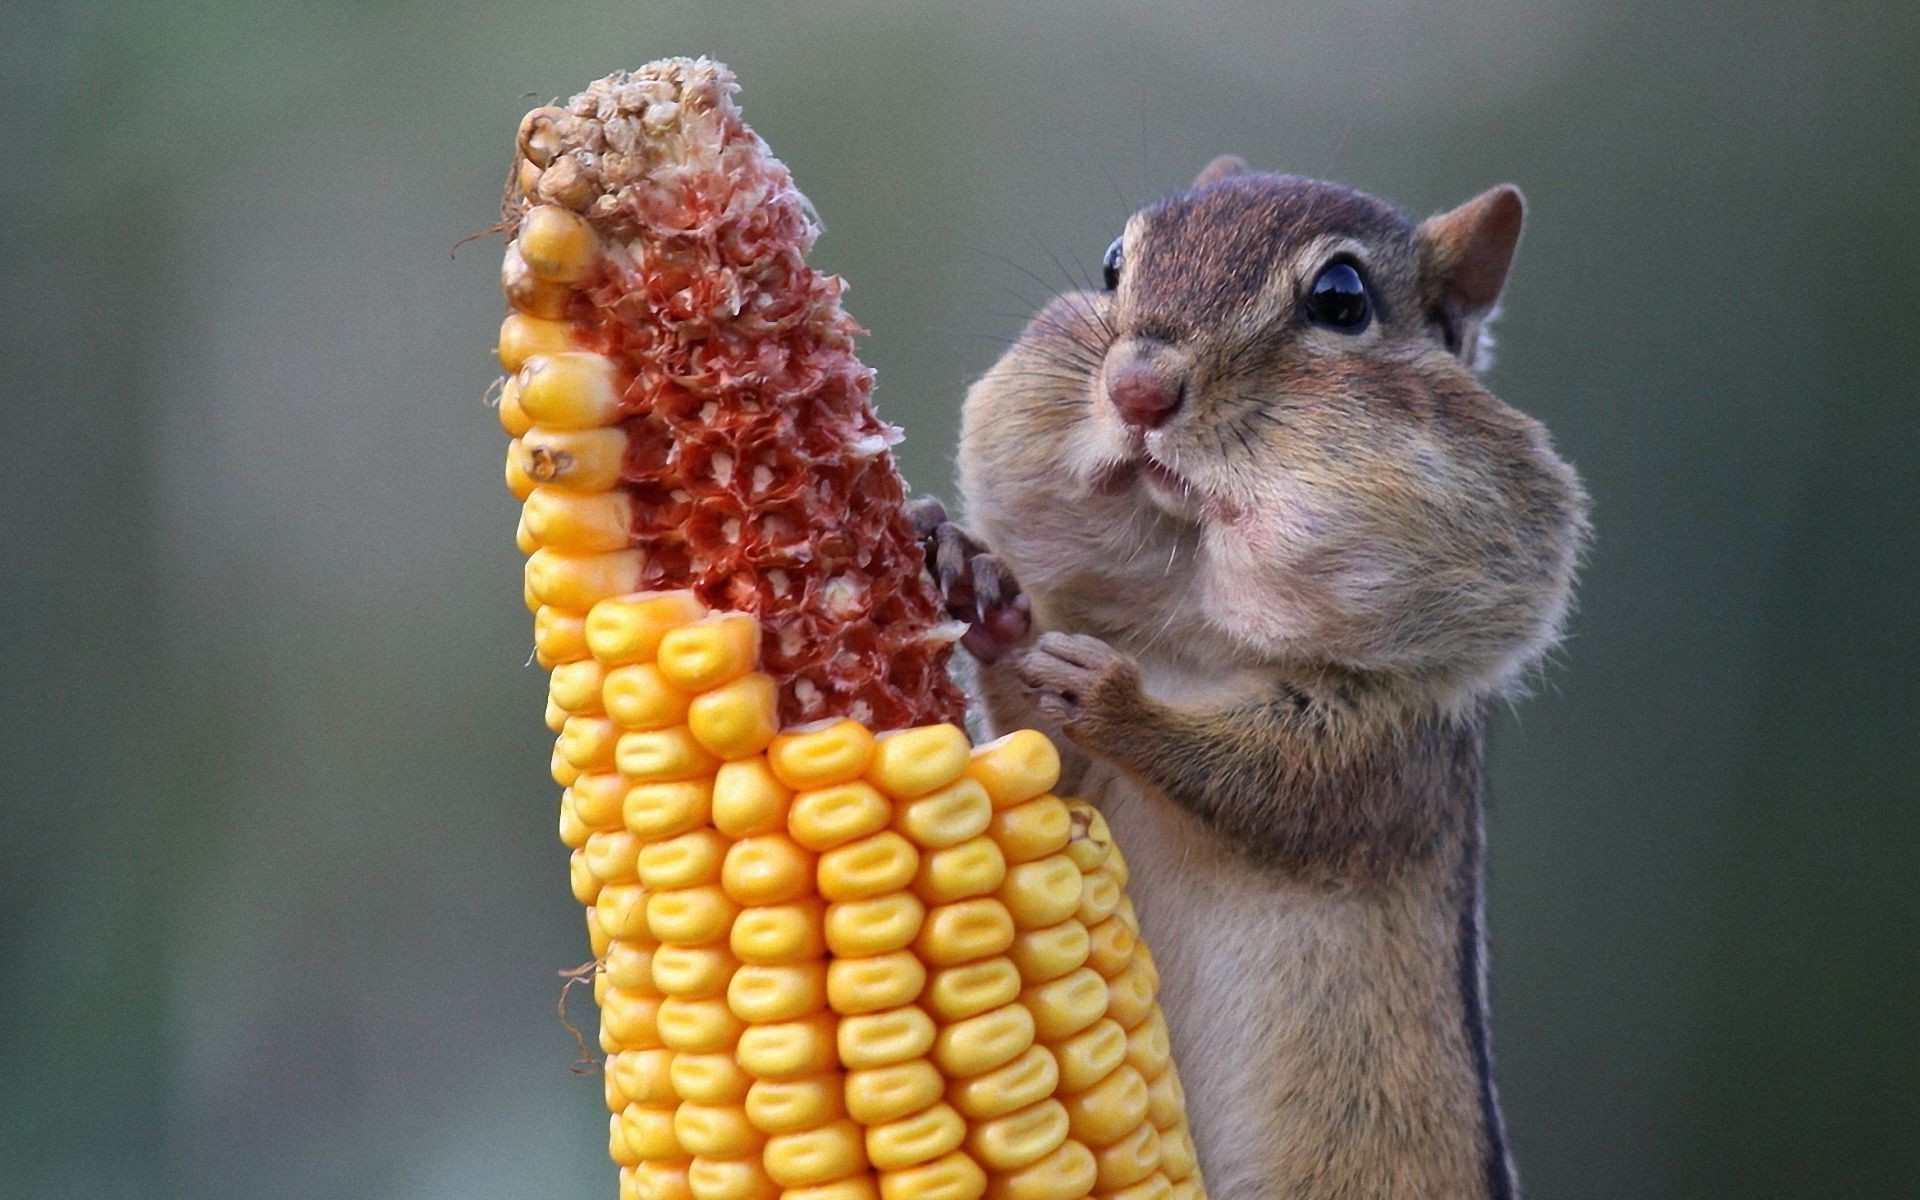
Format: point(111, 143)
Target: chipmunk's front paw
point(975, 586)
point(1081, 682)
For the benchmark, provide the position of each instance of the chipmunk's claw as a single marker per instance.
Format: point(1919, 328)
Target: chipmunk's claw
point(976, 586)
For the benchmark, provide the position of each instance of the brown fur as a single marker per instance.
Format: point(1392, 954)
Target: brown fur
point(1270, 667)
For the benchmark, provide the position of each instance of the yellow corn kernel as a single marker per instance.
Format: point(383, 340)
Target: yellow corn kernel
point(1043, 892)
point(854, 1187)
point(883, 1038)
point(664, 1179)
point(519, 481)
point(1048, 953)
point(1182, 1189)
point(1100, 897)
point(578, 521)
point(1149, 1047)
point(575, 687)
point(833, 816)
point(642, 1076)
point(748, 801)
point(583, 460)
point(887, 1093)
point(683, 861)
point(586, 886)
point(1030, 1078)
point(731, 1179)
point(629, 629)
point(979, 1044)
point(1092, 843)
point(630, 1019)
point(971, 989)
point(692, 972)
point(593, 802)
point(598, 940)
point(1090, 1056)
point(558, 636)
point(1130, 994)
point(700, 1026)
point(1065, 1174)
point(1066, 1005)
point(571, 390)
point(912, 762)
point(822, 755)
point(821, 1155)
point(573, 834)
point(522, 337)
point(874, 926)
point(588, 743)
point(910, 1141)
point(789, 1049)
point(578, 581)
point(1032, 830)
point(947, 815)
point(558, 245)
point(1109, 1110)
point(649, 1131)
point(767, 869)
point(656, 810)
point(791, 1105)
point(664, 755)
point(871, 866)
point(864, 985)
point(736, 719)
point(527, 292)
point(617, 1147)
point(523, 539)
point(611, 856)
point(716, 1131)
point(1016, 768)
point(716, 649)
point(767, 992)
point(1111, 945)
point(628, 965)
point(1129, 1160)
point(1177, 1158)
point(1021, 1137)
point(780, 933)
point(1154, 1187)
point(708, 1078)
point(973, 868)
point(952, 1176)
point(596, 800)
point(691, 916)
point(1166, 1100)
point(965, 931)
point(621, 910)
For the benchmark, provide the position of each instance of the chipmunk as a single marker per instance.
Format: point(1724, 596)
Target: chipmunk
point(1244, 531)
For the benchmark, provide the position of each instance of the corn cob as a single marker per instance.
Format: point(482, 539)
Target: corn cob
point(840, 953)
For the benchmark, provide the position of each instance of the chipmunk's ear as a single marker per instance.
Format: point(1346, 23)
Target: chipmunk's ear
point(1218, 169)
point(1464, 257)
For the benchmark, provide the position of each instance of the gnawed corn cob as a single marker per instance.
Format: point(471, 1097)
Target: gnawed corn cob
point(836, 960)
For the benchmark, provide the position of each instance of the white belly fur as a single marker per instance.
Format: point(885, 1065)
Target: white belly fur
point(1288, 1006)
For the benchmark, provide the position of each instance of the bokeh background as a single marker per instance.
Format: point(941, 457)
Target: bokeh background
point(281, 904)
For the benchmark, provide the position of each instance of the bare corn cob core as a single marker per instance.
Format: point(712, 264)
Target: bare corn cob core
point(657, 233)
point(833, 963)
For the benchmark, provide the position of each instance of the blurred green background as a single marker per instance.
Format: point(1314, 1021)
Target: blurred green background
point(281, 903)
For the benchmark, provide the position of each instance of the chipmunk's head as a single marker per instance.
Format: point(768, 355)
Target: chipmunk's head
point(1279, 375)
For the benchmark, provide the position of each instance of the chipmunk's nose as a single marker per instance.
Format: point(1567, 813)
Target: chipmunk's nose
point(1145, 392)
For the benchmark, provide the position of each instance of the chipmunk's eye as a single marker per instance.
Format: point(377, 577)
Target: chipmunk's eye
point(1110, 265)
point(1338, 298)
